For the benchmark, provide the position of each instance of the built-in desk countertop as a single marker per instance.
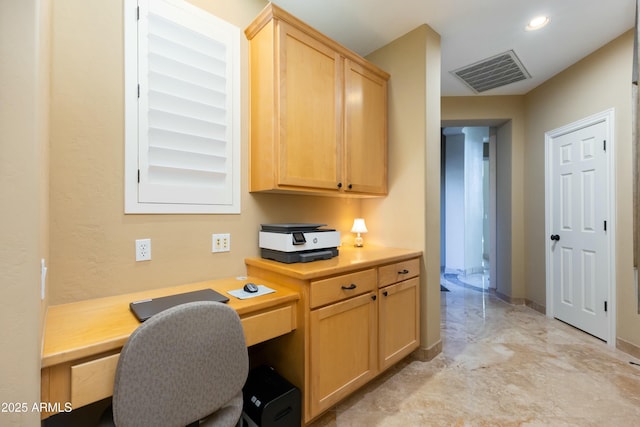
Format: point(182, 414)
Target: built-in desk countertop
point(82, 340)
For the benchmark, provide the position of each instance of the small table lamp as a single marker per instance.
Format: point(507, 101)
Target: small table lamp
point(359, 227)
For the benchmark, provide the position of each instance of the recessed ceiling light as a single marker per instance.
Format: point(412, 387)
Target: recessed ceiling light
point(537, 23)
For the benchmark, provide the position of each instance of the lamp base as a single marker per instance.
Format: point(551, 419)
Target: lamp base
point(358, 242)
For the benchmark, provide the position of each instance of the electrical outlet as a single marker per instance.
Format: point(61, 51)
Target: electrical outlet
point(221, 242)
point(143, 250)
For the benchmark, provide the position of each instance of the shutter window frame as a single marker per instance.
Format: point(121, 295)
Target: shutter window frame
point(182, 124)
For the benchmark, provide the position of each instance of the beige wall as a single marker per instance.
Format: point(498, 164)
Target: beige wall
point(410, 215)
point(24, 95)
point(92, 241)
point(496, 111)
point(595, 84)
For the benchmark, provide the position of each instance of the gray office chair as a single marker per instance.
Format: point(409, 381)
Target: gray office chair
point(184, 366)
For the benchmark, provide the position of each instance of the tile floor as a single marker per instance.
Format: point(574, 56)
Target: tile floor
point(501, 365)
point(476, 280)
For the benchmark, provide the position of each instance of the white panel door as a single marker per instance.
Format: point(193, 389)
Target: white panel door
point(579, 245)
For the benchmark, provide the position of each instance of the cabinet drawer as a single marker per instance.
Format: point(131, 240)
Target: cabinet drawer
point(93, 380)
point(398, 271)
point(337, 288)
point(270, 324)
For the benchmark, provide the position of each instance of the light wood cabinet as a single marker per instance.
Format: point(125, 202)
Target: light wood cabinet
point(318, 112)
point(399, 321)
point(343, 349)
point(365, 133)
point(359, 314)
point(343, 336)
point(398, 311)
point(309, 127)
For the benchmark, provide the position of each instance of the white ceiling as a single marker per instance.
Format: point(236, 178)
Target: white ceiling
point(473, 30)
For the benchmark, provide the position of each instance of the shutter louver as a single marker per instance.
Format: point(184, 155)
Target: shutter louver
point(185, 106)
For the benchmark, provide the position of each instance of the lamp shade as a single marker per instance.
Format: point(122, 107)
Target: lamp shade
point(359, 226)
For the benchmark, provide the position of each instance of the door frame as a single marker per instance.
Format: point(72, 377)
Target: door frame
point(607, 117)
point(493, 227)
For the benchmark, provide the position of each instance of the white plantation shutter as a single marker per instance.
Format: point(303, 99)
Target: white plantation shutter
point(187, 134)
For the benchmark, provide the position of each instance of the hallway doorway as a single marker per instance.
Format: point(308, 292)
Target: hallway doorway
point(467, 187)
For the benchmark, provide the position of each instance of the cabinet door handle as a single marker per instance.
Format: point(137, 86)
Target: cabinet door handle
point(339, 185)
point(385, 293)
point(350, 186)
point(373, 297)
point(350, 287)
point(405, 271)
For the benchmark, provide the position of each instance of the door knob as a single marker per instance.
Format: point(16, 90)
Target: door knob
point(555, 237)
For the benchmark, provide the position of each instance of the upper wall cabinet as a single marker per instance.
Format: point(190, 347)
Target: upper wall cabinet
point(318, 112)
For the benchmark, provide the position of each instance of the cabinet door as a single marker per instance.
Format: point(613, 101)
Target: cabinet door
point(310, 88)
point(365, 130)
point(399, 326)
point(342, 350)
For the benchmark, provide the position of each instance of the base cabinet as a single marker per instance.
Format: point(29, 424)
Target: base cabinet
point(399, 321)
point(360, 315)
point(343, 349)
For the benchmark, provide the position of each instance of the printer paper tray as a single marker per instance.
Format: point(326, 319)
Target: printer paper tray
point(303, 256)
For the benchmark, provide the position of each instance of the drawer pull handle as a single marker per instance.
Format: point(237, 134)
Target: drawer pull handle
point(350, 287)
point(385, 293)
point(405, 271)
point(373, 297)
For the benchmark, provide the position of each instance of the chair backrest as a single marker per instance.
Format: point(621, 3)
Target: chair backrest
point(180, 366)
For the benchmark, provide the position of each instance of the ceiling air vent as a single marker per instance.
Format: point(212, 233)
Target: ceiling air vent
point(497, 71)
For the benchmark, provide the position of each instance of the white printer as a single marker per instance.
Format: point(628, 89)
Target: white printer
point(294, 242)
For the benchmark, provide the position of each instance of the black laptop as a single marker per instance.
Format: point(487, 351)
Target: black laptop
point(146, 308)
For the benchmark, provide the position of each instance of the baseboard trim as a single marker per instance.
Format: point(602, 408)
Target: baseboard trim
point(426, 354)
point(520, 301)
point(628, 348)
point(537, 307)
point(507, 298)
